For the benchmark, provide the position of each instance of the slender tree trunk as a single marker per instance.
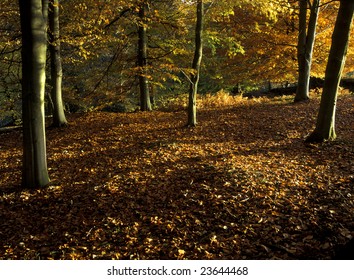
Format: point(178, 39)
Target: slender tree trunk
point(306, 42)
point(198, 54)
point(301, 49)
point(55, 64)
point(34, 45)
point(325, 126)
point(145, 104)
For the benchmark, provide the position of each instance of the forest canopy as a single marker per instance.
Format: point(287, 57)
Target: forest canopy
point(246, 43)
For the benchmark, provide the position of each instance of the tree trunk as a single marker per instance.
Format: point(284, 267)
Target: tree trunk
point(45, 6)
point(145, 104)
point(325, 126)
point(34, 45)
point(55, 65)
point(306, 43)
point(192, 104)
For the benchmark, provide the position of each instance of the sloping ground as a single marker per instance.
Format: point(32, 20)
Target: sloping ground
point(241, 185)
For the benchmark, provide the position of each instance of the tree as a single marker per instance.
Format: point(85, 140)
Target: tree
point(34, 45)
point(118, 52)
point(55, 65)
point(325, 126)
point(145, 104)
point(306, 41)
point(249, 42)
point(194, 79)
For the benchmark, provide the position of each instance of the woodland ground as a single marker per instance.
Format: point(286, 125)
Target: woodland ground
point(240, 185)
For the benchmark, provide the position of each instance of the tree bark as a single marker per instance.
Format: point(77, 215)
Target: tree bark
point(325, 126)
point(198, 54)
point(306, 42)
point(45, 7)
point(145, 104)
point(59, 118)
point(34, 45)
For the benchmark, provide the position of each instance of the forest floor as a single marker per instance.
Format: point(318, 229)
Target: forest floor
point(240, 185)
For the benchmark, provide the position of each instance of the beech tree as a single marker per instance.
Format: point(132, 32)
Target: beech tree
point(194, 79)
point(306, 41)
point(34, 46)
point(150, 33)
point(55, 64)
point(249, 42)
point(325, 126)
point(145, 104)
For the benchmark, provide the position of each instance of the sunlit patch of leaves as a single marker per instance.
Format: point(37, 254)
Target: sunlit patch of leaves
point(240, 185)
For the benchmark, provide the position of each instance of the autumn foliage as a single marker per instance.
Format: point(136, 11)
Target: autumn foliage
point(241, 185)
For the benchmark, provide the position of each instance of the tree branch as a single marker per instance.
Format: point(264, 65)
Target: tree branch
point(121, 14)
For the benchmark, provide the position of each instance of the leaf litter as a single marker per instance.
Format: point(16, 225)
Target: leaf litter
point(240, 185)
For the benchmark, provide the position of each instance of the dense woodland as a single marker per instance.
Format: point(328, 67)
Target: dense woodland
point(178, 129)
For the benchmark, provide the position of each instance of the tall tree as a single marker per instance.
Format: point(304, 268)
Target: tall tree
point(55, 65)
point(145, 104)
point(198, 53)
point(325, 126)
point(34, 45)
point(306, 41)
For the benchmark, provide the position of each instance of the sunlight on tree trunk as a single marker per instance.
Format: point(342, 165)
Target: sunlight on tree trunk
point(306, 44)
point(34, 45)
point(192, 104)
point(55, 64)
point(145, 104)
point(325, 126)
